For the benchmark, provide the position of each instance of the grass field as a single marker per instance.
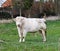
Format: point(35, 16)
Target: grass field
point(9, 39)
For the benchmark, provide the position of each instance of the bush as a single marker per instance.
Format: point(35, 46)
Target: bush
point(49, 8)
point(5, 15)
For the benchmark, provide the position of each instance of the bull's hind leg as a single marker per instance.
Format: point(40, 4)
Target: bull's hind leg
point(43, 32)
point(44, 35)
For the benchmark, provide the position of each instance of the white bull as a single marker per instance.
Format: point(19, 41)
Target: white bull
point(25, 25)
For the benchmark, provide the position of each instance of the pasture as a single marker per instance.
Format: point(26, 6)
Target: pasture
point(9, 39)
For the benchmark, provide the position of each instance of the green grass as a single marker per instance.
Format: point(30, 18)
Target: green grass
point(10, 38)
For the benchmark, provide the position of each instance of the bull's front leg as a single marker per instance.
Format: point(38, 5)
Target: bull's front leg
point(24, 35)
point(19, 32)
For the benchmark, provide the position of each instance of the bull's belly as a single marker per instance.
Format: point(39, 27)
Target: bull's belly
point(32, 28)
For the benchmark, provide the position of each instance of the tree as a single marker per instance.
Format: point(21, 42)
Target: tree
point(22, 4)
point(27, 4)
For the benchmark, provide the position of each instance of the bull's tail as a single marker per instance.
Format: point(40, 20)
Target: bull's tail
point(44, 16)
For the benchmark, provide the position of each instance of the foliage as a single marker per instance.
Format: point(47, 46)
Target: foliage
point(27, 4)
point(49, 8)
point(5, 15)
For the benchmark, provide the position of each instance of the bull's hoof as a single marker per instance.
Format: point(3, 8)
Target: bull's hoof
point(21, 40)
point(44, 40)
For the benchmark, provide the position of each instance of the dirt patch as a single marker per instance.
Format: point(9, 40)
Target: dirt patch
point(6, 21)
point(53, 18)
